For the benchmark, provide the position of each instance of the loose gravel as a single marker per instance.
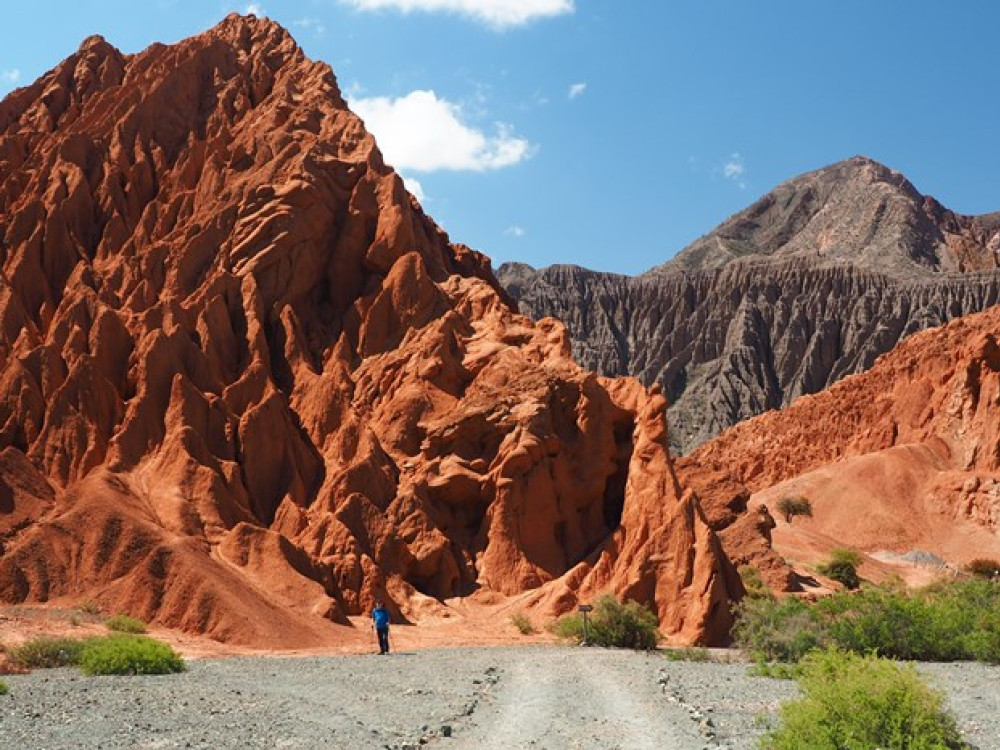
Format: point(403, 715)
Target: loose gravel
point(544, 697)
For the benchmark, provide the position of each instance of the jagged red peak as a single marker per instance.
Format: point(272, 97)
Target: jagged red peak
point(94, 42)
point(252, 35)
point(238, 47)
point(254, 386)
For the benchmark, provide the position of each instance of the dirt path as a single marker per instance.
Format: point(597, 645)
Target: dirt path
point(579, 699)
point(446, 699)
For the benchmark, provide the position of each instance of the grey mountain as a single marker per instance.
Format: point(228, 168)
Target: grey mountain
point(808, 285)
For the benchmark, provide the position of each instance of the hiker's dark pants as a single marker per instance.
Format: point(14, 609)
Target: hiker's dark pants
point(383, 640)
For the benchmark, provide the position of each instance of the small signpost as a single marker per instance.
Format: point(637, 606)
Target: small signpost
point(584, 610)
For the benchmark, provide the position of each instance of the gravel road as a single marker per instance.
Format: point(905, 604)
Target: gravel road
point(446, 699)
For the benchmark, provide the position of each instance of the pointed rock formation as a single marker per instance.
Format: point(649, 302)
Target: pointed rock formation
point(248, 386)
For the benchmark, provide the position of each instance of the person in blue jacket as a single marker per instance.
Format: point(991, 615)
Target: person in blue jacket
point(381, 619)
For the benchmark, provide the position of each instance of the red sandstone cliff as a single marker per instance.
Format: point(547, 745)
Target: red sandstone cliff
point(248, 385)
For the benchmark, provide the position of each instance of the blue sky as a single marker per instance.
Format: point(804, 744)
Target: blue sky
point(611, 133)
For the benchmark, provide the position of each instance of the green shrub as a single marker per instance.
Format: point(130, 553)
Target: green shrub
point(862, 702)
point(777, 630)
point(753, 584)
point(794, 506)
point(3, 688)
point(903, 627)
point(129, 654)
point(628, 625)
point(984, 567)
point(614, 625)
point(568, 627)
point(125, 624)
point(845, 555)
point(523, 623)
point(954, 621)
point(45, 653)
point(842, 567)
point(958, 620)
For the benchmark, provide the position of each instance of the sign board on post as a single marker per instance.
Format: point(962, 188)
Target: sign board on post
point(584, 609)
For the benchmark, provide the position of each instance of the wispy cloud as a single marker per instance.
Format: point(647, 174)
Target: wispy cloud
point(353, 90)
point(255, 9)
point(415, 188)
point(734, 169)
point(10, 76)
point(423, 133)
point(498, 14)
point(514, 231)
point(577, 90)
point(315, 25)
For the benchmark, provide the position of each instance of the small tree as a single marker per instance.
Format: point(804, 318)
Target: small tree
point(843, 566)
point(794, 506)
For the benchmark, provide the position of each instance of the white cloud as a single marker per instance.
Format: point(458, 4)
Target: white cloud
point(514, 231)
point(734, 169)
point(415, 188)
point(499, 14)
point(423, 133)
point(10, 76)
point(577, 90)
point(255, 9)
point(314, 25)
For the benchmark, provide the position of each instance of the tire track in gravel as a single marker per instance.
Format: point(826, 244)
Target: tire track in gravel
point(577, 699)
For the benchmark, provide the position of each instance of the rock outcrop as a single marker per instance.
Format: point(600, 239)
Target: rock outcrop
point(248, 386)
point(924, 420)
point(810, 284)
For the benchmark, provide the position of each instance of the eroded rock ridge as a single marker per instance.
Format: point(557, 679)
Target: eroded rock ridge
point(248, 386)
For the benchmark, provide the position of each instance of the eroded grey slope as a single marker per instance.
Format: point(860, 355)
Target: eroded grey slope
point(809, 285)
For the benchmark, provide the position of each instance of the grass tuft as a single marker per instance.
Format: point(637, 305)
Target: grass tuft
point(523, 623)
point(688, 654)
point(776, 670)
point(89, 607)
point(125, 624)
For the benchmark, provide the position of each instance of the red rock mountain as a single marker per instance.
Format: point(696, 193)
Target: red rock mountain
point(248, 386)
point(905, 456)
